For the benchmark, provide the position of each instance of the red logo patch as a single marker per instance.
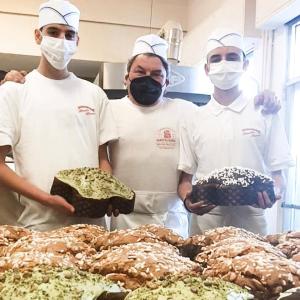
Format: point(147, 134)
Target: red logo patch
point(86, 109)
point(166, 138)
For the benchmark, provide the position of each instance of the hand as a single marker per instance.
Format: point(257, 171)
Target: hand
point(15, 76)
point(60, 204)
point(264, 200)
point(199, 208)
point(111, 211)
point(269, 101)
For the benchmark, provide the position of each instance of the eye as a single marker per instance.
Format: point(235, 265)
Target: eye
point(233, 57)
point(215, 59)
point(70, 35)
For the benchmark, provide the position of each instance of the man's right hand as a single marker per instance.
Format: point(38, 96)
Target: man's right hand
point(60, 204)
point(199, 208)
point(15, 76)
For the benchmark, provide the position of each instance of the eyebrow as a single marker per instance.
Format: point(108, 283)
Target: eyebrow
point(140, 67)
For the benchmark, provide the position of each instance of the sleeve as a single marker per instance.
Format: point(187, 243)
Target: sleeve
point(107, 125)
point(187, 157)
point(9, 100)
point(278, 155)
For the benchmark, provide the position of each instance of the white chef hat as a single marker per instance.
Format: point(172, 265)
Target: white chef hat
point(59, 12)
point(224, 38)
point(151, 43)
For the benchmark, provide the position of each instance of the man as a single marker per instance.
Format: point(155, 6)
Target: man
point(146, 155)
point(229, 131)
point(53, 121)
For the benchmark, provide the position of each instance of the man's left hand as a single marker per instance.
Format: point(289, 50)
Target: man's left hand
point(264, 200)
point(269, 101)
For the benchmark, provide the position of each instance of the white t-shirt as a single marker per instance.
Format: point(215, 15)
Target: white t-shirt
point(235, 135)
point(146, 155)
point(53, 125)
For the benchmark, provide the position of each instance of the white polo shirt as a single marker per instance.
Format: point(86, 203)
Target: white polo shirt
point(235, 135)
point(53, 125)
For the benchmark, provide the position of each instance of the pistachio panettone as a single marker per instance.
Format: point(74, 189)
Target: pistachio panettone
point(189, 288)
point(91, 191)
point(232, 186)
point(134, 264)
point(45, 283)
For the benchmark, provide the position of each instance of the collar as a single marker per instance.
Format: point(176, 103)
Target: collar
point(236, 106)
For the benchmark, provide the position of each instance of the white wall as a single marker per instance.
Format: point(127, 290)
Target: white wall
point(204, 17)
point(108, 29)
point(271, 14)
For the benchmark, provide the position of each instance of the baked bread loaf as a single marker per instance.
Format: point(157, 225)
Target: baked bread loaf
point(38, 249)
point(10, 234)
point(232, 186)
point(86, 233)
point(46, 283)
point(189, 288)
point(91, 191)
point(150, 233)
point(135, 264)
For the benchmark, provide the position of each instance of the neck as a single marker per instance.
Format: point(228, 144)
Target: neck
point(138, 104)
point(226, 97)
point(46, 69)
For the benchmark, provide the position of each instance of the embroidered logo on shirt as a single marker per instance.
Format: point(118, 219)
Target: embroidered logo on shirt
point(166, 138)
point(251, 131)
point(86, 109)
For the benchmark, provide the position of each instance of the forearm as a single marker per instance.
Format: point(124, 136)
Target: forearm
point(279, 181)
point(185, 185)
point(104, 163)
point(21, 186)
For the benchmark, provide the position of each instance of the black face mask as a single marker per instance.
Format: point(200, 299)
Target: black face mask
point(145, 90)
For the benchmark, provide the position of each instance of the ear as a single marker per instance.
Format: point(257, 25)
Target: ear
point(78, 39)
point(167, 82)
point(246, 64)
point(206, 69)
point(38, 36)
point(126, 79)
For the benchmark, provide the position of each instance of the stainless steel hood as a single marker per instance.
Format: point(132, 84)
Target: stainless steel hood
point(185, 82)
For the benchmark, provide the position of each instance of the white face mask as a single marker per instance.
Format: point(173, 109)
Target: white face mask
point(58, 52)
point(226, 74)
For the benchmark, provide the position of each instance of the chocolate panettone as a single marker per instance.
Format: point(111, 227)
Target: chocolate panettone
point(232, 186)
point(91, 191)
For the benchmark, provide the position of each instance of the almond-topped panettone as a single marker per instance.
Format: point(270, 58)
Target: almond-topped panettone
point(91, 191)
point(122, 237)
point(163, 234)
point(150, 233)
point(29, 260)
point(232, 186)
point(45, 283)
point(137, 263)
point(10, 234)
point(13, 233)
point(265, 274)
point(221, 233)
point(38, 248)
point(86, 233)
point(288, 243)
point(236, 246)
point(189, 288)
point(194, 245)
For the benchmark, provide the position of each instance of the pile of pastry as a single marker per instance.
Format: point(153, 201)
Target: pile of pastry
point(149, 262)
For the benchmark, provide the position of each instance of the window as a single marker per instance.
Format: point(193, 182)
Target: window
point(292, 199)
